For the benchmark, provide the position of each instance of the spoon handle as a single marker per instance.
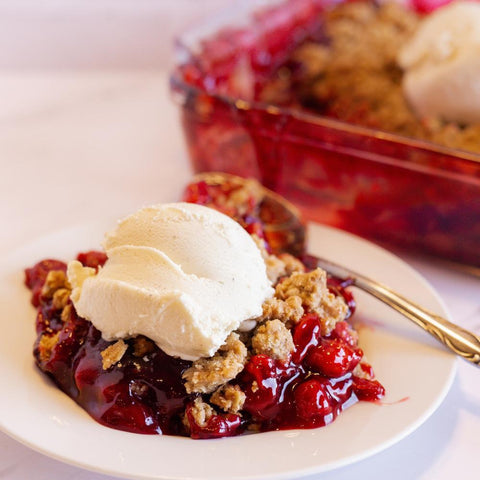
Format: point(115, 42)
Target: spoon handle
point(462, 342)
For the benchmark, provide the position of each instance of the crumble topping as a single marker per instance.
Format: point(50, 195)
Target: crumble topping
point(289, 311)
point(142, 346)
point(278, 266)
point(274, 339)
point(291, 264)
point(241, 199)
point(229, 398)
point(354, 75)
point(312, 288)
point(113, 354)
point(139, 388)
point(56, 279)
point(200, 413)
point(60, 298)
point(206, 374)
point(66, 312)
point(46, 346)
point(57, 288)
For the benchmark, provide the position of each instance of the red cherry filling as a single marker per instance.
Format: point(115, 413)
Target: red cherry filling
point(92, 259)
point(344, 332)
point(35, 277)
point(333, 358)
point(368, 390)
point(216, 426)
point(264, 379)
point(306, 335)
point(312, 400)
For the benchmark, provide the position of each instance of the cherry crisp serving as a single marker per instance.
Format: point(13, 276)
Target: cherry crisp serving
point(298, 368)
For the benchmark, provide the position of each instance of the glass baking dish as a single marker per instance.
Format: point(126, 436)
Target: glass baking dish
point(382, 186)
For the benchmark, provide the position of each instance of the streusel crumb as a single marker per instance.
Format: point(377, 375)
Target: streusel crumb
point(113, 354)
point(278, 265)
point(274, 339)
point(142, 346)
point(201, 412)
point(289, 311)
point(55, 280)
point(291, 263)
point(241, 199)
point(207, 374)
point(66, 312)
point(60, 298)
point(46, 345)
point(352, 74)
point(312, 288)
point(230, 398)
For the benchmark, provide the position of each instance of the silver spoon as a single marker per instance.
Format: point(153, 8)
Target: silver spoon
point(289, 234)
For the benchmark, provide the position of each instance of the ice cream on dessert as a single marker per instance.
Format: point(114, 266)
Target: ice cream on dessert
point(442, 64)
point(181, 274)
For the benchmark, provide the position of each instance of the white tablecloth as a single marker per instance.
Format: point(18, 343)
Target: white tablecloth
point(75, 146)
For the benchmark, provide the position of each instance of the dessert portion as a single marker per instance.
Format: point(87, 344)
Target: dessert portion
point(387, 67)
point(188, 325)
point(184, 275)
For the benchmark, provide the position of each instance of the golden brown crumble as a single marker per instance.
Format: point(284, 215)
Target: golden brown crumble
point(201, 413)
point(230, 398)
point(278, 265)
point(291, 264)
point(355, 76)
point(312, 288)
point(60, 298)
point(113, 354)
point(207, 374)
point(56, 279)
point(142, 346)
point(240, 199)
point(275, 267)
point(46, 345)
point(289, 311)
point(66, 312)
point(274, 339)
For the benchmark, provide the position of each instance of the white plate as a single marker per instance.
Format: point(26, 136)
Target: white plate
point(415, 370)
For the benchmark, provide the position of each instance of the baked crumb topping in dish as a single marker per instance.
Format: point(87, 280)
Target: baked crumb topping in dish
point(353, 72)
point(297, 365)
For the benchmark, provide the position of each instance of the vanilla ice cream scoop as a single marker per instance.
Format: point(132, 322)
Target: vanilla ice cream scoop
point(442, 64)
point(181, 274)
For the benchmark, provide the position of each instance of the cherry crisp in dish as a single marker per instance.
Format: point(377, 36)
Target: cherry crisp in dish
point(298, 368)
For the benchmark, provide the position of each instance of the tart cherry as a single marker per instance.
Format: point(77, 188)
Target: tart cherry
point(216, 426)
point(344, 332)
point(428, 6)
point(306, 336)
point(130, 417)
point(92, 259)
point(197, 193)
point(369, 390)
point(312, 400)
point(35, 277)
point(262, 384)
point(334, 358)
